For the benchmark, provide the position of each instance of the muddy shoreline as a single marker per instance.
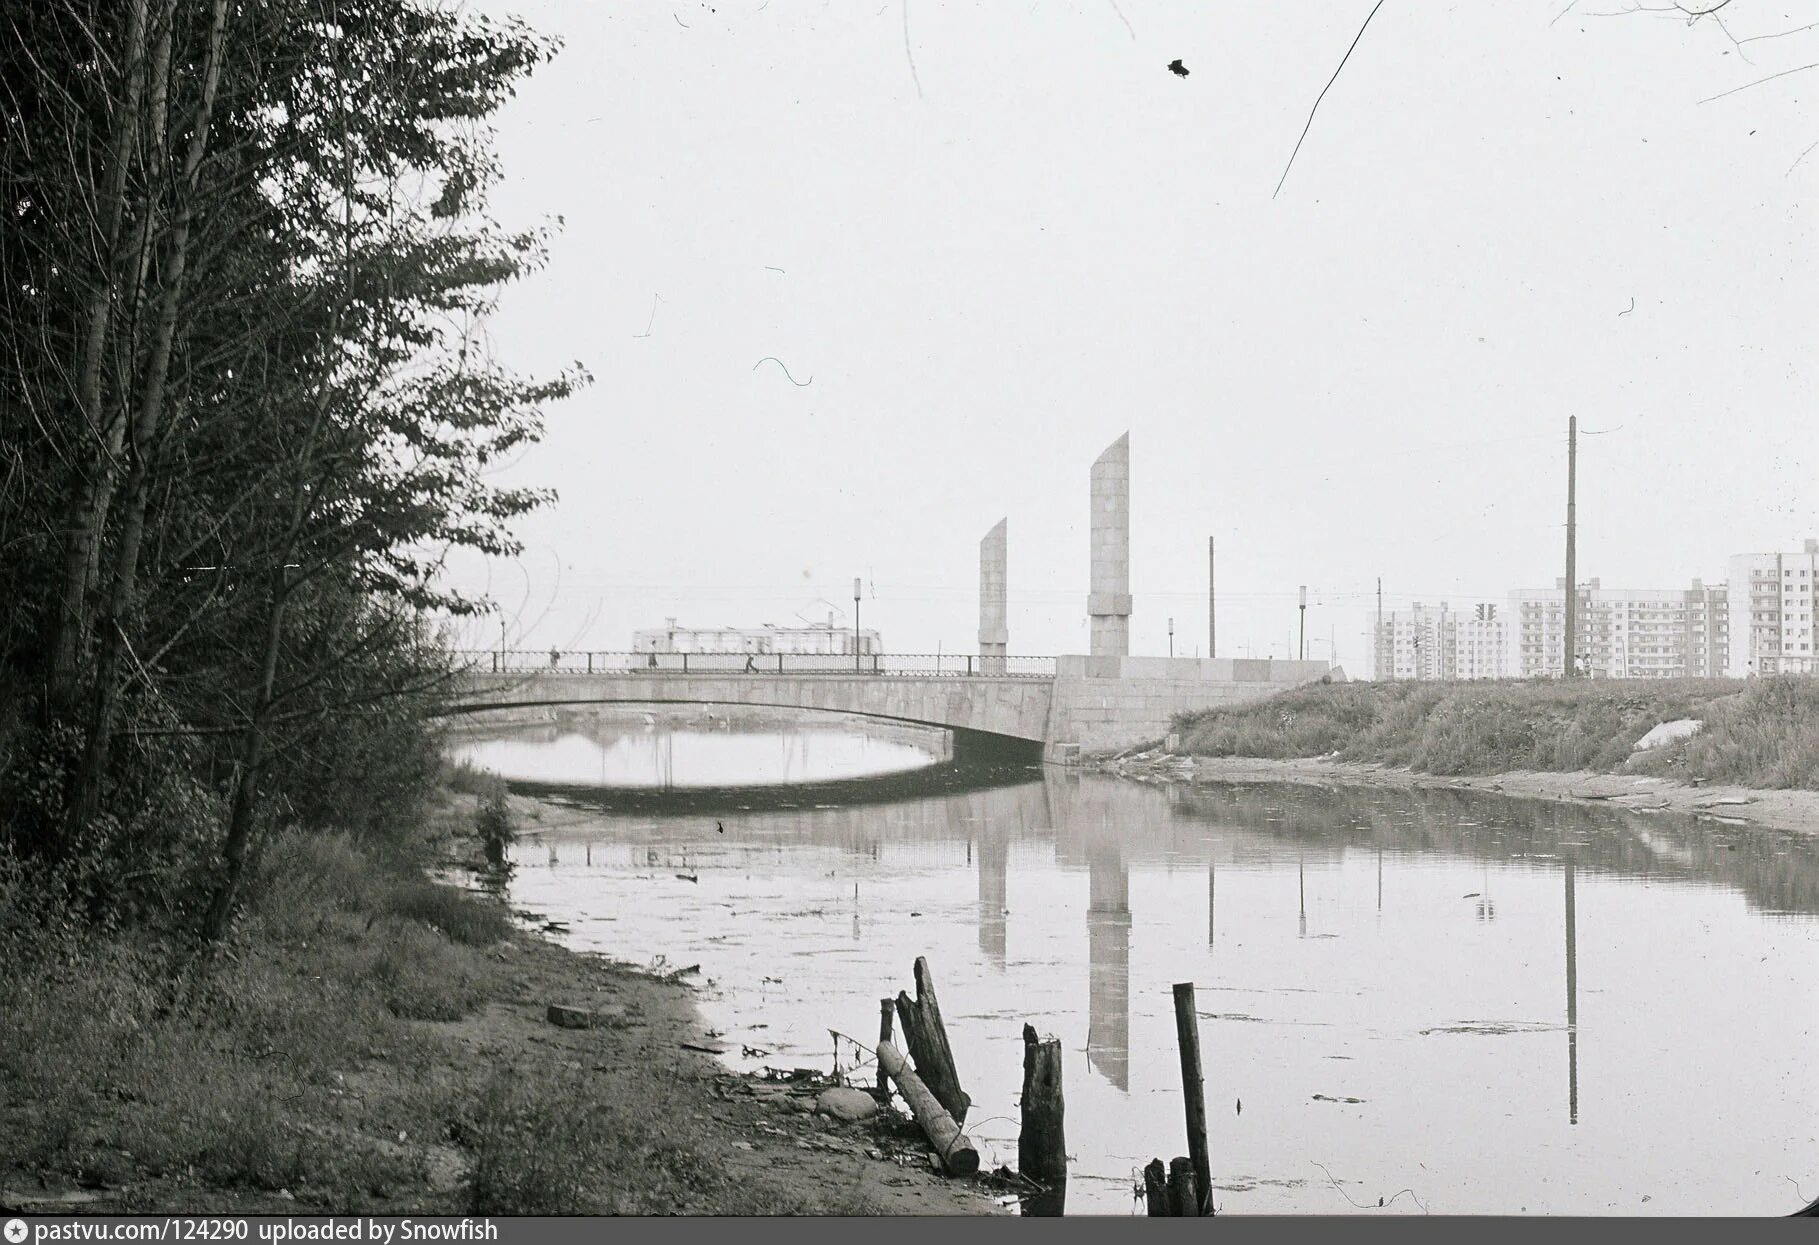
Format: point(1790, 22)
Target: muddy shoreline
point(1794, 810)
point(765, 1125)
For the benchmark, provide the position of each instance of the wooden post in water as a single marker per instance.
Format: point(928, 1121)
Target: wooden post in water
point(885, 1009)
point(1041, 1142)
point(959, 1157)
point(1193, 1090)
point(926, 1038)
point(1155, 1189)
point(1183, 1197)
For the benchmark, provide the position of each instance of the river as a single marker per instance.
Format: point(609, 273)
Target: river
point(1449, 1001)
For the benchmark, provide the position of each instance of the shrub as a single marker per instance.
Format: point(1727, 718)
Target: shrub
point(494, 824)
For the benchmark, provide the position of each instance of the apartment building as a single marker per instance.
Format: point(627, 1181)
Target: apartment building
point(1623, 633)
point(1774, 598)
point(1422, 642)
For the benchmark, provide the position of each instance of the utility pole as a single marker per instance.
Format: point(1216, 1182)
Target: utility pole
point(1378, 646)
point(1303, 644)
point(1171, 637)
point(1572, 581)
point(855, 622)
point(1211, 631)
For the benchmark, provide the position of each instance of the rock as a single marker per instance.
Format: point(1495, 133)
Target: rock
point(847, 1105)
point(1668, 732)
point(584, 1018)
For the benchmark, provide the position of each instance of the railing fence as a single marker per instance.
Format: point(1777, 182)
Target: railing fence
point(882, 665)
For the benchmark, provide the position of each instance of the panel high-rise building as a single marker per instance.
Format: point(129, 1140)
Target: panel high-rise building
point(1623, 633)
point(1774, 598)
point(1423, 642)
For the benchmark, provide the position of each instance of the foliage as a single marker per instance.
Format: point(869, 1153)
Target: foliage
point(244, 415)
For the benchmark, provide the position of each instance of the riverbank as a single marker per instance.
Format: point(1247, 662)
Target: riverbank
point(1771, 809)
point(1743, 750)
point(374, 1042)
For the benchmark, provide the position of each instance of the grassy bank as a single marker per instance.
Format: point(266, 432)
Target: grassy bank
point(369, 1041)
point(1761, 733)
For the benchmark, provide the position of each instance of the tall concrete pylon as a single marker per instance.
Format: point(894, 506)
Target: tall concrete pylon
point(994, 606)
point(1108, 601)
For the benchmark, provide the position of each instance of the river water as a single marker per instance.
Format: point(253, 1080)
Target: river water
point(1448, 1001)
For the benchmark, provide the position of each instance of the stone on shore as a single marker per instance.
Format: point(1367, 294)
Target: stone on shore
point(584, 1018)
point(846, 1105)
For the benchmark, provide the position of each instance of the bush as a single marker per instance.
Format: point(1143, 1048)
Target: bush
point(494, 824)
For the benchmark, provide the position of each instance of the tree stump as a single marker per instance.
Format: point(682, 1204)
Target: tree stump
point(1042, 1142)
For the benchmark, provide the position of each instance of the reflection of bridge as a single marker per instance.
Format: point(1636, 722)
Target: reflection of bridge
point(1066, 705)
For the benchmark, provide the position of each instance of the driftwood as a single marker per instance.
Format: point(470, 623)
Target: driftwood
point(1042, 1142)
point(926, 1038)
point(959, 1157)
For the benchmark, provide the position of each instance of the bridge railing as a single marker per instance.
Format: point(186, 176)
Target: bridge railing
point(882, 665)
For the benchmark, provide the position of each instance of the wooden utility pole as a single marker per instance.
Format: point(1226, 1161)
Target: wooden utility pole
point(1379, 645)
point(1211, 629)
point(1572, 581)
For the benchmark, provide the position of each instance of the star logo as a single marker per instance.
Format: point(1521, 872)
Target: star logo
point(15, 1231)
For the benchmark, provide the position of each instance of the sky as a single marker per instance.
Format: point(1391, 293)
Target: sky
point(855, 280)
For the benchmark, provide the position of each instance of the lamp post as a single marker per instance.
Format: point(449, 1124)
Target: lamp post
point(855, 622)
point(1303, 648)
point(1171, 637)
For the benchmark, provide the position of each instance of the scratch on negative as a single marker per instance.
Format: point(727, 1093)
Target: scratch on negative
point(907, 54)
point(800, 384)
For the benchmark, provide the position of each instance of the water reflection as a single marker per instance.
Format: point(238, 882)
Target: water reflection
point(1572, 1004)
point(1422, 1021)
point(610, 752)
point(1108, 943)
point(994, 861)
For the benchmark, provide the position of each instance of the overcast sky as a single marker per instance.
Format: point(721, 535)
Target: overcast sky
point(981, 240)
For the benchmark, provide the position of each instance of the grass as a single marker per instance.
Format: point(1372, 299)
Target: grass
point(314, 1055)
point(1760, 733)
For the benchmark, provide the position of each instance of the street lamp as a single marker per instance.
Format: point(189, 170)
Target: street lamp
point(1171, 637)
point(855, 622)
point(1303, 622)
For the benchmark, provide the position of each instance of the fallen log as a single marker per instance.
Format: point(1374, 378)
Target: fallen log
point(959, 1157)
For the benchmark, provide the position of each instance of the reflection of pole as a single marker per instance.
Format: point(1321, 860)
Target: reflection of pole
point(1380, 877)
point(1212, 880)
point(994, 852)
point(1301, 881)
point(1572, 1003)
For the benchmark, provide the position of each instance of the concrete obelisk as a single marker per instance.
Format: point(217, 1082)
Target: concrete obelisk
point(1108, 601)
point(994, 609)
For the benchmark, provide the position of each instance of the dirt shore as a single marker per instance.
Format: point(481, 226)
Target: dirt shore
point(391, 1129)
point(1783, 810)
point(764, 1127)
